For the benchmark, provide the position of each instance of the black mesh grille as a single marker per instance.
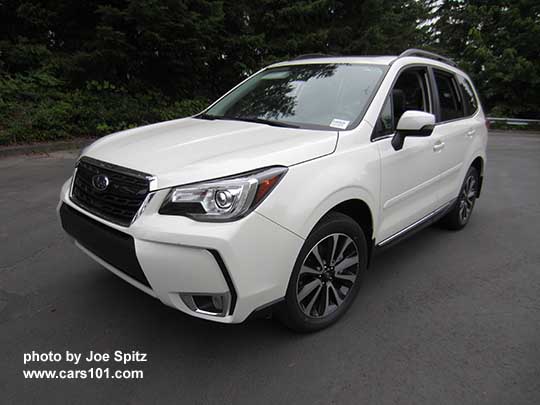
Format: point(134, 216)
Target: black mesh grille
point(119, 202)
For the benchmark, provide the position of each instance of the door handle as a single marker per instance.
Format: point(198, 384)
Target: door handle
point(471, 132)
point(438, 146)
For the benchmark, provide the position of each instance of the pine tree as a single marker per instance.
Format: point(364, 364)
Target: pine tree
point(497, 42)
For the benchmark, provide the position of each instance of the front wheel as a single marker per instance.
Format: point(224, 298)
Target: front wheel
point(460, 214)
point(327, 274)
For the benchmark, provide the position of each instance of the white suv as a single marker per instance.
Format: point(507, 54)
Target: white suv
point(277, 195)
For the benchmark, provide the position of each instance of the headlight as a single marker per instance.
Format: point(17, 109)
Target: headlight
point(226, 199)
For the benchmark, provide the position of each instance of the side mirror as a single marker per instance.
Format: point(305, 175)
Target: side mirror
point(412, 123)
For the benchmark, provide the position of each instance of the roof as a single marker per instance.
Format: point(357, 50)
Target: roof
point(373, 60)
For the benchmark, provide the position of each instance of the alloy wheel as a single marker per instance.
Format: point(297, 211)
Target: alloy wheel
point(468, 197)
point(327, 275)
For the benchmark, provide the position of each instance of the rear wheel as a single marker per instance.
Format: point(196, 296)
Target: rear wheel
point(327, 274)
point(461, 213)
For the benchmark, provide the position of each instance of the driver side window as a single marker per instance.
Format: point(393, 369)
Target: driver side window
point(410, 92)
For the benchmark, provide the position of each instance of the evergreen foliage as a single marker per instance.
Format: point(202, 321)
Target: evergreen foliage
point(498, 43)
point(70, 68)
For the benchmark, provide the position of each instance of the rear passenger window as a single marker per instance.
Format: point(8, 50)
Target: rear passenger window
point(449, 96)
point(469, 99)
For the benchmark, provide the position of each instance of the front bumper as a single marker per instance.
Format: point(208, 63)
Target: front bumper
point(249, 260)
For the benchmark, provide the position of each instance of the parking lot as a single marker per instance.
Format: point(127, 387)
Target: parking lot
point(444, 317)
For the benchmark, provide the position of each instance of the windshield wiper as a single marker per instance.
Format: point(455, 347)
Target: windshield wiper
point(247, 119)
point(263, 121)
point(204, 116)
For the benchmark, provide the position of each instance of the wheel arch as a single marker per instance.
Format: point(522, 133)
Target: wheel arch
point(361, 213)
point(478, 164)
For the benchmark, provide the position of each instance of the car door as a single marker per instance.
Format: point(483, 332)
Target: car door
point(454, 130)
point(409, 189)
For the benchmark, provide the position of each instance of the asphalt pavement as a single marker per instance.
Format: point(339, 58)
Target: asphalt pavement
point(443, 318)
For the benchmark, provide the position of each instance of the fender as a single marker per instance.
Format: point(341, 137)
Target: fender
point(326, 182)
point(478, 153)
point(335, 198)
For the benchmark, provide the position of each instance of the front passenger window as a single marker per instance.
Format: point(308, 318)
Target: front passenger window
point(386, 120)
point(410, 92)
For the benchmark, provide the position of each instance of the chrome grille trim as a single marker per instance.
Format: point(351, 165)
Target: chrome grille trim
point(123, 202)
point(152, 180)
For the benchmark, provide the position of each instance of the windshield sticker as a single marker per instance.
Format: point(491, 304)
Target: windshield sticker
point(341, 124)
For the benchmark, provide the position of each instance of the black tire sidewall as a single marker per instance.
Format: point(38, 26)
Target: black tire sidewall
point(452, 220)
point(471, 172)
point(332, 223)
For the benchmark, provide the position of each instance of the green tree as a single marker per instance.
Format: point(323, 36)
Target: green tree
point(70, 68)
point(497, 42)
point(256, 33)
point(345, 27)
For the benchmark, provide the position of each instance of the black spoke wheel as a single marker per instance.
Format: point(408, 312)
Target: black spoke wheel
point(467, 198)
point(461, 212)
point(327, 274)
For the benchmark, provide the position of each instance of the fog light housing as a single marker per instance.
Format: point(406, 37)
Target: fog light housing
point(208, 304)
point(217, 302)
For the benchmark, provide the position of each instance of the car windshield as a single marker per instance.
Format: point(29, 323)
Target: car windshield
point(315, 96)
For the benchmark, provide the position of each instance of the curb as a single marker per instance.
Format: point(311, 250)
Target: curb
point(7, 151)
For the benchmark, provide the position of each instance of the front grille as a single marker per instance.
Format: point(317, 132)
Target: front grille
point(122, 197)
point(114, 247)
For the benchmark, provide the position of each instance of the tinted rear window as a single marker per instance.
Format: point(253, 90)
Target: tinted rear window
point(469, 99)
point(449, 96)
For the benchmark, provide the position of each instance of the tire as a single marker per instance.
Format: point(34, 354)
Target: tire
point(319, 293)
point(460, 214)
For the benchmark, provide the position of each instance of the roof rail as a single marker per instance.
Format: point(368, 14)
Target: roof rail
point(312, 56)
point(427, 54)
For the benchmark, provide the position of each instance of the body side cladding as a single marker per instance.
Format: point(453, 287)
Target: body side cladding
point(265, 311)
point(410, 230)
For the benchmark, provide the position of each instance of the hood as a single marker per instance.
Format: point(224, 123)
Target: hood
point(189, 149)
